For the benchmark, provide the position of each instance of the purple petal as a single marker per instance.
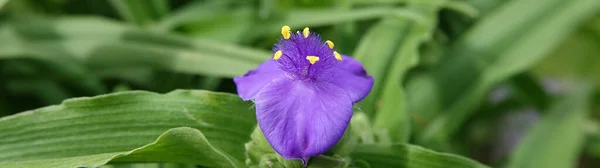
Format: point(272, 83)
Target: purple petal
point(352, 78)
point(302, 118)
point(251, 83)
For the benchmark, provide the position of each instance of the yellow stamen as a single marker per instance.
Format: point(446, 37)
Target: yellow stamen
point(285, 31)
point(312, 59)
point(277, 55)
point(337, 56)
point(306, 32)
point(330, 44)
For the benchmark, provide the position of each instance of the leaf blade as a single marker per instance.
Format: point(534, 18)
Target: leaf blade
point(167, 148)
point(410, 156)
point(480, 61)
point(555, 142)
point(124, 121)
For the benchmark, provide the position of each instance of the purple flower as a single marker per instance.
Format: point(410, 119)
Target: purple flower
point(304, 95)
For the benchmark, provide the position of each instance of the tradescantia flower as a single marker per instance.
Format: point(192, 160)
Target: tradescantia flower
point(304, 95)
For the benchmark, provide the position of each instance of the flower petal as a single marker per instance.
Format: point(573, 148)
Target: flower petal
point(302, 119)
point(253, 81)
point(352, 78)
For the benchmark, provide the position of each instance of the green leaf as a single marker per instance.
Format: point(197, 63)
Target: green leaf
point(378, 46)
point(234, 25)
point(530, 91)
point(556, 141)
point(53, 61)
point(454, 5)
point(320, 17)
point(592, 146)
point(140, 12)
point(323, 161)
point(392, 117)
point(225, 25)
point(382, 42)
point(149, 165)
point(177, 145)
point(160, 7)
point(506, 42)
point(93, 131)
point(371, 2)
point(131, 11)
point(50, 92)
point(259, 153)
point(577, 56)
point(2, 3)
point(193, 12)
point(409, 156)
point(423, 100)
point(104, 45)
point(462, 7)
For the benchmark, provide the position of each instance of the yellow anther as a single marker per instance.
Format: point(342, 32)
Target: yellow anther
point(306, 32)
point(285, 31)
point(330, 44)
point(277, 55)
point(312, 59)
point(337, 56)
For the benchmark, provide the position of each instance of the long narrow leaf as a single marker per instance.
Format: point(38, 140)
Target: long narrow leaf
point(98, 129)
point(392, 116)
point(409, 156)
point(556, 141)
point(112, 45)
point(494, 50)
point(177, 145)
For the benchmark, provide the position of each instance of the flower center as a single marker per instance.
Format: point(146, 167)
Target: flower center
point(303, 55)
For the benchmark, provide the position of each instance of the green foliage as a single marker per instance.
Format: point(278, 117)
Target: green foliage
point(449, 74)
point(480, 59)
point(125, 121)
point(557, 139)
point(120, 127)
point(260, 153)
point(401, 155)
point(178, 145)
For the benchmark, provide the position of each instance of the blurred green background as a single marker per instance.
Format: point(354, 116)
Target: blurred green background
point(509, 83)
